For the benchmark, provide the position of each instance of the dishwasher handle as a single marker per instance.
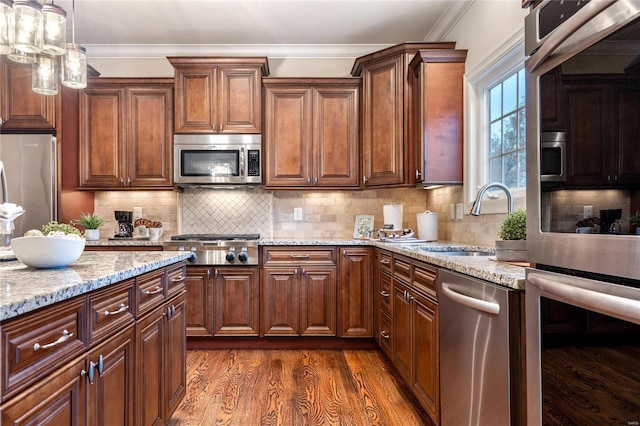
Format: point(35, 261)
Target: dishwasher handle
point(471, 302)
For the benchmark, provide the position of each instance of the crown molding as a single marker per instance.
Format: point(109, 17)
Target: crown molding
point(455, 10)
point(270, 50)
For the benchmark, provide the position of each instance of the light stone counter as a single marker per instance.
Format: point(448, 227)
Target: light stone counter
point(24, 289)
point(123, 242)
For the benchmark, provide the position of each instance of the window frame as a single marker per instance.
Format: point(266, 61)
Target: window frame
point(505, 61)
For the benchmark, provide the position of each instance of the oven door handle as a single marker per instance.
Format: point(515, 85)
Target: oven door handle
point(471, 302)
point(605, 303)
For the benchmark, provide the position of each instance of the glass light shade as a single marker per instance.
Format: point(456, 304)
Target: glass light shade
point(44, 75)
point(21, 57)
point(54, 33)
point(74, 67)
point(28, 26)
point(6, 26)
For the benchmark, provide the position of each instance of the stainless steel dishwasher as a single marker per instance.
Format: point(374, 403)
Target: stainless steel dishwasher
point(479, 352)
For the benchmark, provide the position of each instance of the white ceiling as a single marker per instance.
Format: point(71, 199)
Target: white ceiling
point(277, 28)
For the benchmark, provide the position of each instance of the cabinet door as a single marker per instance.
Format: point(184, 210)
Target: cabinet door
point(57, 401)
point(110, 395)
point(150, 137)
point(199, 301)
point(102, 134)
point(402, 330)
point(20, 107)
point(288, 136)
point(355, 293)
point(627, 155)
point(383, 122)
point(336, 153)
point(239, 99)
point(551, 103)
point(318, 301)
point(195, 108)
point(175, 354)
point(150, 346)
point(237, 309)
point(589, 137)
point(280, 301)
point(425, 378)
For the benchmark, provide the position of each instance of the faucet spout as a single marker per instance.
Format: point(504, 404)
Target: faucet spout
point(475, 208)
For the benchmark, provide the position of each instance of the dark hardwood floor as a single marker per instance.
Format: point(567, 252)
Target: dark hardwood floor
point(294, 387)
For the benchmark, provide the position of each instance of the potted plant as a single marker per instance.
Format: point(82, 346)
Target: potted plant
point(512, 245)
point(634, 220)
point(91, 222)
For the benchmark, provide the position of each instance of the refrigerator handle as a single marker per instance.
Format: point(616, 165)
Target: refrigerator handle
point(3, 180)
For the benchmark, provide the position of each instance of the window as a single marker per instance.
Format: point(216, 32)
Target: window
point(495, 127)
point(507, 131)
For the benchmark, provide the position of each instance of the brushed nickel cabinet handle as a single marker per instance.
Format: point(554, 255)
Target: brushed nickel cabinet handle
point(100, 365)
point(128, 181)
point(179, 279)
point(384, 293)
point(385, 261)
point(299, 256)
point(364, 179)
point(123, 308)
point(220, 131)
point(418, 174)
point(92, 372)
point(385, 335)
point(157, 290)
point(65, 336)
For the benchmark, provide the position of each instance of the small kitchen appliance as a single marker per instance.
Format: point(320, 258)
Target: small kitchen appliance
point(125, 224)
point(608, 221)
point(217, 249)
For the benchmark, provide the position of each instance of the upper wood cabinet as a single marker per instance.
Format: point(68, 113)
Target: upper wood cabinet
point(551, 103)
point(126, 130)
point(218, 95)
point(20, 107)
point(436, 89)
point(387, 157)
point(311, 137)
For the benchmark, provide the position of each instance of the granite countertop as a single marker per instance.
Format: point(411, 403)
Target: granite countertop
point(483, 267)
point(120, 242)
point(24, 289)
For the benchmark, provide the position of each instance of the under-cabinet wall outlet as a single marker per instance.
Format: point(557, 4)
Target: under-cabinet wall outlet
point(587, 211)
point(459, 211)
point(297, 213)
point(452, 211)
point(137, 213)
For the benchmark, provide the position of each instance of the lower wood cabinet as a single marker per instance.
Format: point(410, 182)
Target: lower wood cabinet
point(91, 361)
point(355, 286)
point(199, 301)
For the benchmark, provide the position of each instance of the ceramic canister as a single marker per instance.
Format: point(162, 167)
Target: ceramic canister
point(428, 226)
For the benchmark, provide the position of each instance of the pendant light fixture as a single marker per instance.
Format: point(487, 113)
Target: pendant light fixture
point(21, 57)
point(6, 27)
point(44, 75)
point(54, 32)
point(28, 26)
point(74, 65)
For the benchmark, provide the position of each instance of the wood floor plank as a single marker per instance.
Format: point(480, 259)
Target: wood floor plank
point(293, 387)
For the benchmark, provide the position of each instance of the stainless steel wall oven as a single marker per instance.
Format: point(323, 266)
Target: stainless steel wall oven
point(582, 297)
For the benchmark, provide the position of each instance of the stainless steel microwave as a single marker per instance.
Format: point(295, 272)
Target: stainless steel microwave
point(217, 159)
point(553, 157)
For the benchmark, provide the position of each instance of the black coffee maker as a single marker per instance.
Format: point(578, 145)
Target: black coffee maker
point(609, 221)
point(125, 224)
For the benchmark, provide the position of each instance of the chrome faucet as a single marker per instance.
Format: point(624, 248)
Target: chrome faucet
point(475, 208)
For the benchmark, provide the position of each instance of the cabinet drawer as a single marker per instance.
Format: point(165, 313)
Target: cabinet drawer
point(385, 334)
point(35, 344)
point(424, 279)
point(110, 310)
point(176, 280)
point(402, 269)
point(298, 256)
point(384, 259)
point(149, 291)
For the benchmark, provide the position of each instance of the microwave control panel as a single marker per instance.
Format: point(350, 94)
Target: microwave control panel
point(253, 163)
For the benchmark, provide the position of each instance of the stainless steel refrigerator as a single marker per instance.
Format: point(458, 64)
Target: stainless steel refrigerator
point(30, 169)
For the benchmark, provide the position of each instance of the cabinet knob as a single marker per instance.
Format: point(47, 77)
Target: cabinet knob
point(364, 179)
point(315, 180)
point(418, 174)
point(220, 131)
point(121, 182)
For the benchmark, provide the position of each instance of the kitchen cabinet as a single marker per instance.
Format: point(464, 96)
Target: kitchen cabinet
point(551, 101)
point(126, 134)
point(407, 305)
point(218, 95)
point(387, 154)
point(236, 309)
point(298, 291)
point(20, 107)
point(436, 90)
point(355, 302)
point(91, 359)
point(311, 133)
point(602, 130)
point(199, 283)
